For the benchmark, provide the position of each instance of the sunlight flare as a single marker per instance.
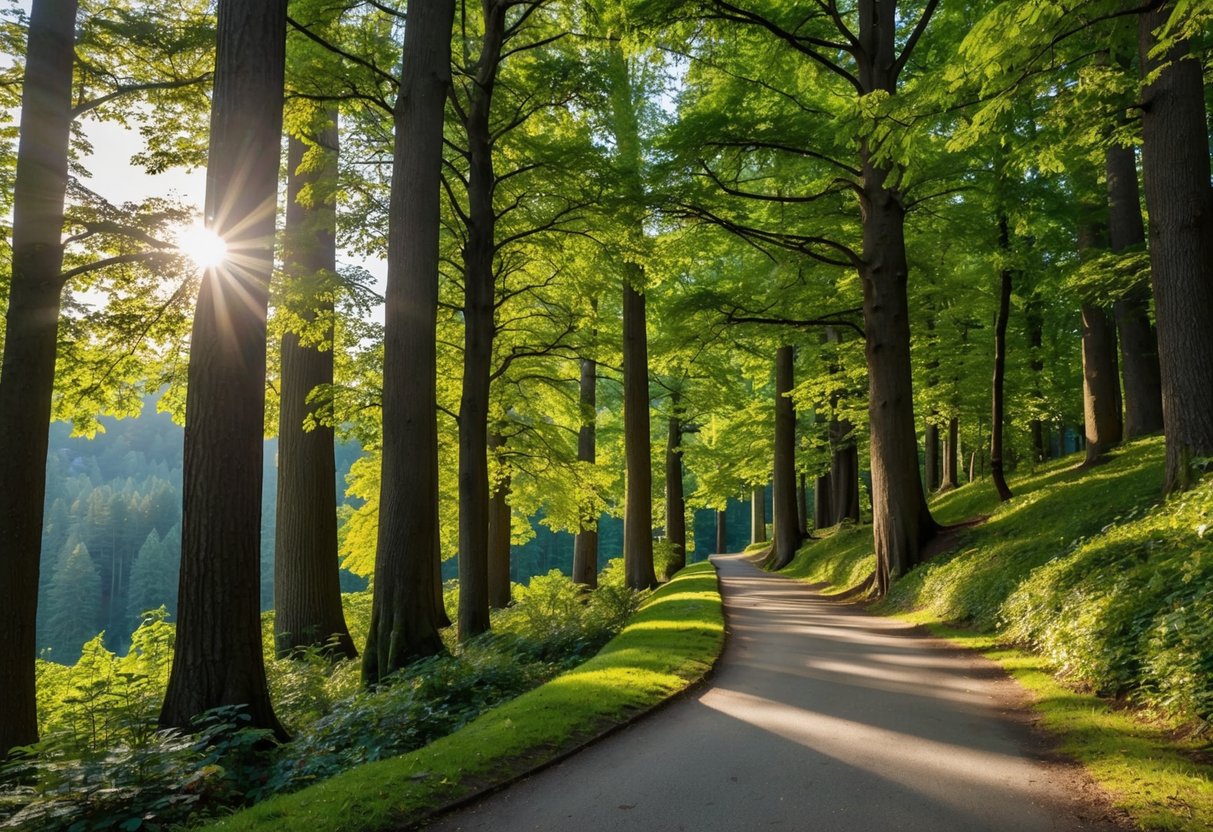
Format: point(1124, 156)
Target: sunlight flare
point(203, 246)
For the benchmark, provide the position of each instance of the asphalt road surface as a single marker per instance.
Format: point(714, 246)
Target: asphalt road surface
point(819, 717)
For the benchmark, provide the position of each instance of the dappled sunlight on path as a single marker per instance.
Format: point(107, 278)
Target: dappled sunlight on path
point(819, 717)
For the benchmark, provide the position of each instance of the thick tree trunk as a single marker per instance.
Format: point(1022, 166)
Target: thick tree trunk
point(218, 657)
point(951, 445)
point(479, 283)
point(722, 532)
point(585, 544)
point(1138, 341)
point(931, 462)
point(1100, 383)
point(405, 609)
point(823, 510)
point(901, 521)
point(307, 583)
point(28, 375)
point(675, 504)
point(638, 506)
point(997, 409)
point(758, 514)
point(785, 532)
point(499, 535)
point(1179, 201)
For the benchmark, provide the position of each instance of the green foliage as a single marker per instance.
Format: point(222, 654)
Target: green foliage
point(670, 643)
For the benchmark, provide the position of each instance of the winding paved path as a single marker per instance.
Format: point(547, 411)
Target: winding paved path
point(819, 717)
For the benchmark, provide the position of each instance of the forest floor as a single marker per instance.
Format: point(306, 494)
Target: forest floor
point(818, 716)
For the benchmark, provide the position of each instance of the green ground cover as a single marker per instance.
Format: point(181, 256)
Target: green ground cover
point(668, 645)
point(1097, 597)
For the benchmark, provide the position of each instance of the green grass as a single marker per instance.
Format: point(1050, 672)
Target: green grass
point(671, 643)
point(1095, 596)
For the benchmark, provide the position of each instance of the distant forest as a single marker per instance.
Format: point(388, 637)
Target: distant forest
point(111, 543)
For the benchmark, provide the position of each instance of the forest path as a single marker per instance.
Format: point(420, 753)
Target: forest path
point(819, 717)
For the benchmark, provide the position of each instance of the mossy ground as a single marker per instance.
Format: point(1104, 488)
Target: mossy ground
point(1084, 583)
point(671, 643)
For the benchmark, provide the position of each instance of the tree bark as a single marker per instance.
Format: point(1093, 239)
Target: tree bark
point(638, 506)
point(675, 504)
point(218, 657)
point(1100, 383)
point(785, 533)
point(1138, 341)
point(405, 608)
point(997, 409)
point(823, 510)
point(951, 478)
point(758, 514)
point(1035, 324)
point(722, 532)
point(28, 375)
point(931, 462)
point(479, 284)
point(844, 479)
point(901, 522)
point(585, 544)
point(307, 582)
point(1179, 201)
point(499, 534)
point(802, 505)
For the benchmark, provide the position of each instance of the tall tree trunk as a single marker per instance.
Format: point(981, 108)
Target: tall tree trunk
point(499, 533)
point(1179, 200)
point(844, 479)
point(675, 504)
point(638, 506)
point(1138, 341)
point(405, 609)
point(218, 657)
point(931, 462)
point(802, 505)
point(951, 446)
point(823, 510)
point(1100, 383)
point(758, 514)
point(722, 532)
point(997, 409)
point(479, 282)
point(901, 522)
point(1100, 374)
point(785, 533)
point(1034, 321)
point(585, 544)
point(307, 581)
point(28, 375)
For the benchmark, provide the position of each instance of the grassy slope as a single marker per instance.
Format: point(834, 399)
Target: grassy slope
point(671, 643)
point(1084, 568)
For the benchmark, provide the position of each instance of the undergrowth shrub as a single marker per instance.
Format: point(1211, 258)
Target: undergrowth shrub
point(103, 764)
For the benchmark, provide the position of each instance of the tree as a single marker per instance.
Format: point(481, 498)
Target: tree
point(217, 656)
point(785, 536)
point(404, 611)
point(74, 603)
point(307, 589)
point(675, 504)
point(638, 507)
point(1179, 200)
point(585, 545)
point(154, 576)
point(27, 374)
